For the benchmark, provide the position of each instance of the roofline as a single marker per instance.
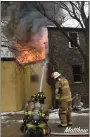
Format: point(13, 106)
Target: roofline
point(8, 59)
point(25, 64)
point(66, 28)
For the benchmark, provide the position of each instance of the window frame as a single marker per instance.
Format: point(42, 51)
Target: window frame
point(77, 74)
point(78, 40)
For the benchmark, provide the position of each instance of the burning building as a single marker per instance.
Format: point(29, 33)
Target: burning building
point(23, 80)
point(24, 71)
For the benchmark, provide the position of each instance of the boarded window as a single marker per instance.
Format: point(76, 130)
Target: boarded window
point(77, 73)
point(75, 39)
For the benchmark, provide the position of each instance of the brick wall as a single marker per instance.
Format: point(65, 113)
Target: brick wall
point(62, 57)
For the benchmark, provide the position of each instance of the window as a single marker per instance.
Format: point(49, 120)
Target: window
point(74, 37)
point(77, 73)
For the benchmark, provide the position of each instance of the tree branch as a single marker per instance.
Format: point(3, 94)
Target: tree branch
point(75, 6)
point(58, 25)
point(4, 22)
point(75, 15)
point(10, 48)
point(83, 13)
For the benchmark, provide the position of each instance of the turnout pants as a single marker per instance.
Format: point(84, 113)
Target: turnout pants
point(65, 109)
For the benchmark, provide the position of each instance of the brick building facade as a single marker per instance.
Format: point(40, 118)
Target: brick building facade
point(66, 58)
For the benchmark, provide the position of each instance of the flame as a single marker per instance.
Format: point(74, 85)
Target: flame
point(35, 48)
point(29, 54)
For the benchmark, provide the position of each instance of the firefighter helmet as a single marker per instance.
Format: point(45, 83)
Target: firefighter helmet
point(55, 75)
point(41, 97)
point(34, 98)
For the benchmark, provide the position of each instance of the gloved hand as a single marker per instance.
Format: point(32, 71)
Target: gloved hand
point(57, 94)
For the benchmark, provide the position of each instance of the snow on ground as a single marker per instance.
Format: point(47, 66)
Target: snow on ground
point(16, 121)
point(80, 114)
point(85, 109)
point(12, 113)
point(51, 111)
point(4, 117)
point(11, 121)
point(52, 117)
point(82, 109)
point(20, 112)
point(19, 121)
point(55, 115)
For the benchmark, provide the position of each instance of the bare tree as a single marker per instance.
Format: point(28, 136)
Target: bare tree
point(74, 10)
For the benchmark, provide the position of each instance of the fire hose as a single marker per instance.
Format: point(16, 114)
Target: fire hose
point(49, 130)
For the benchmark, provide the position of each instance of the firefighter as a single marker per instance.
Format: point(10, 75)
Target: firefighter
point(44, 114)
point(44, 111)
point(63, 94)
point(37, 125)
point(29, 106)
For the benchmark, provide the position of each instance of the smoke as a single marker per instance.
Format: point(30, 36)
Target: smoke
point(30, 21)
point(32, 35)
point(31, 30)
point(37, 36)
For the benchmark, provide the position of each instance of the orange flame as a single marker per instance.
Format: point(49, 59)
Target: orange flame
point(29, 54)
point(34, 49)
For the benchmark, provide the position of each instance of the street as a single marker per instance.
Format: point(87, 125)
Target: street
point(10, 126)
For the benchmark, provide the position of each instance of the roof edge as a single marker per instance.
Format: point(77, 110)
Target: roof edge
point(65, 28)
